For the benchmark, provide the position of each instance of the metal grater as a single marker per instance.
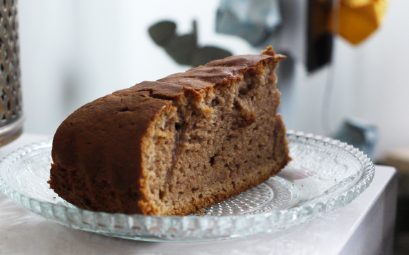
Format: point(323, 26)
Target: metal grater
point(10, 89)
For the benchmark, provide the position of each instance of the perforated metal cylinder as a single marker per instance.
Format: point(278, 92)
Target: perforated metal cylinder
point(10, 89)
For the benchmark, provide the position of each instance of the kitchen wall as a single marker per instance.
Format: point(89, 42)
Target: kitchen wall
point(74, 51)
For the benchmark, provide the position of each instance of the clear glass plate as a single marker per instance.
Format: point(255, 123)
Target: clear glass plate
point(324, 174)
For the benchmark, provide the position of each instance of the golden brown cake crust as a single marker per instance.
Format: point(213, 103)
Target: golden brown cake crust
point(96, 139)
point(101, 142)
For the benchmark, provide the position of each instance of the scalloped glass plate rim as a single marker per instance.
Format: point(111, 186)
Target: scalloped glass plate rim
point(301, 212)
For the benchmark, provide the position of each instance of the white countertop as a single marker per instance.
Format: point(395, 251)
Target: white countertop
point(363, 227)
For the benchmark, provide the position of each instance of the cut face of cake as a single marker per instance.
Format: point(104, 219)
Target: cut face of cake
point(176, 145)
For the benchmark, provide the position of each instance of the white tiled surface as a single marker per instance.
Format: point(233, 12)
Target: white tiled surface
point(363, 227)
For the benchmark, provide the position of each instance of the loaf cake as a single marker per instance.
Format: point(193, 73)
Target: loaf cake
point(176, 145)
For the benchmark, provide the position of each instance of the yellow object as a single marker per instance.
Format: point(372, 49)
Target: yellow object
point(356, 20)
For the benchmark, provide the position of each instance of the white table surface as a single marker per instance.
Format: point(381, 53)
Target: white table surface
point(363, 227)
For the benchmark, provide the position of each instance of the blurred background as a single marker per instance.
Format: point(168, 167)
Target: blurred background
point(75, 51)
point(346, 74)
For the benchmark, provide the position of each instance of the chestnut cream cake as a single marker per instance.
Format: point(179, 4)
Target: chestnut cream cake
point(176, 145)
